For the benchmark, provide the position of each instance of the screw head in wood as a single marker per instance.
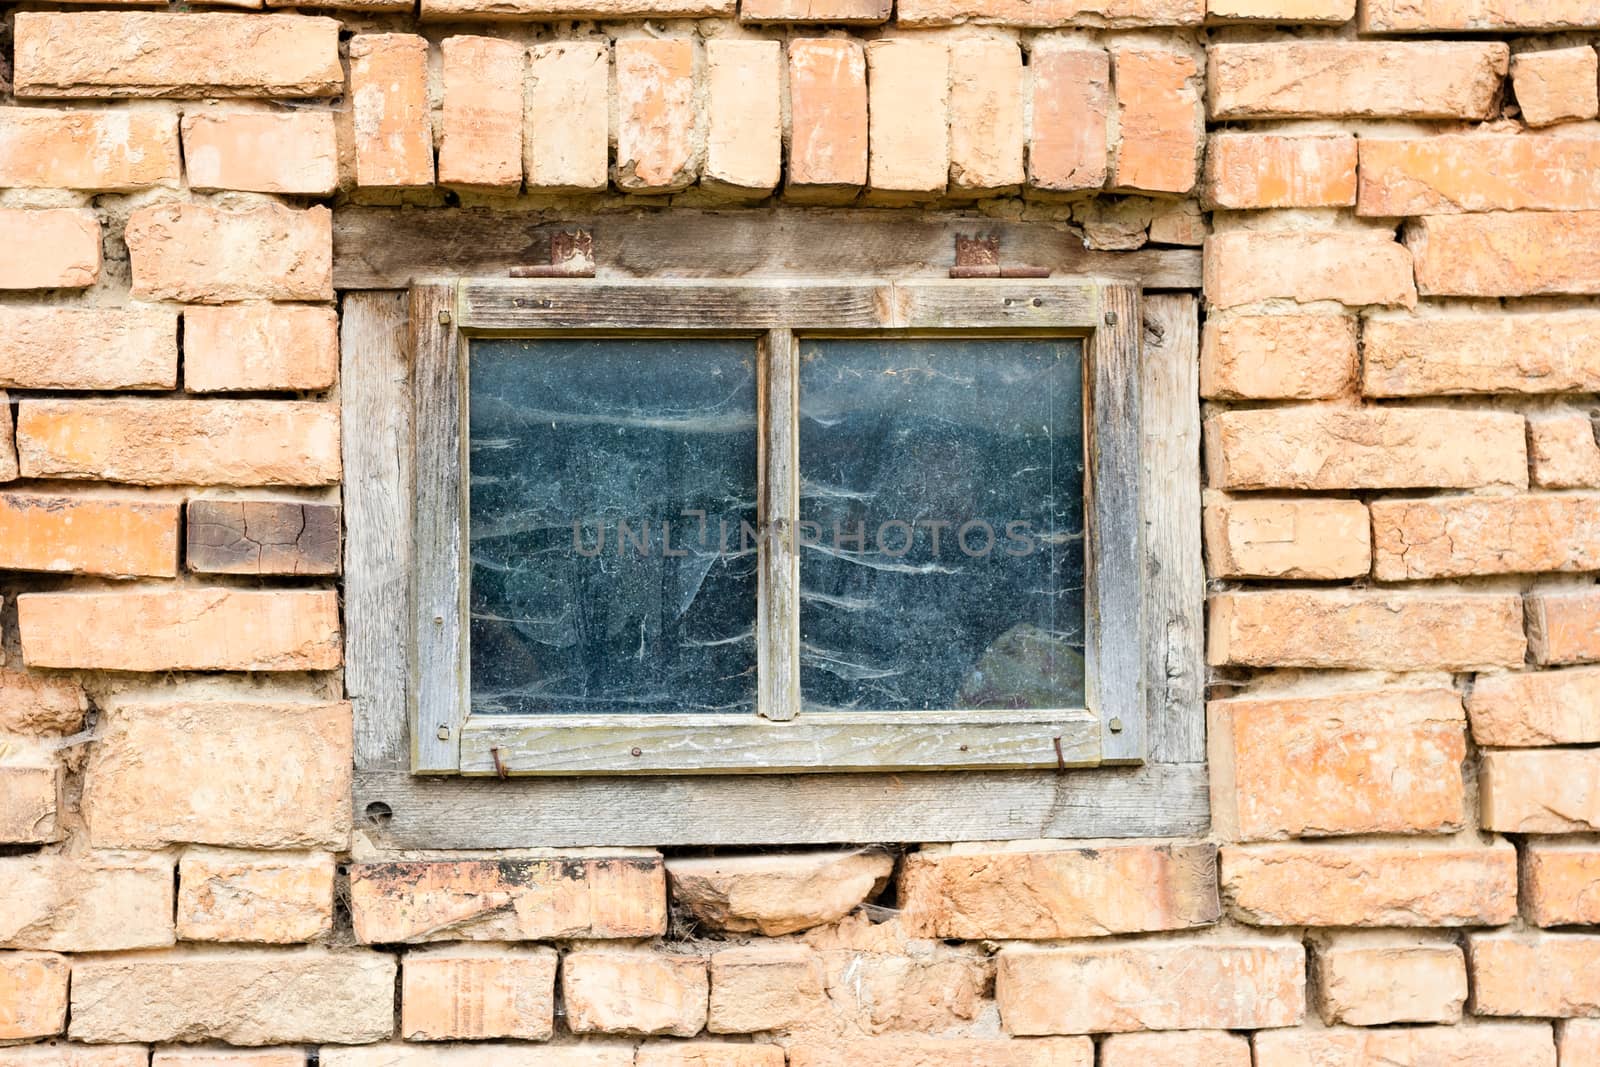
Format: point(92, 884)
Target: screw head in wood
point(1115, 725)
point(444, 318)
point(444, 733)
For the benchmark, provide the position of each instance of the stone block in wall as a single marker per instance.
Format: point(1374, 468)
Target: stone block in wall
point(115, 536)
point(389, 106)
point(1357, 268)
point(99, 151)
point(1559, 881)
point(40, 704)
point(1556, 85)
point(1253, 171)
point(1538, 975)
point(475, 994)
point(1506, 352)
point(660, 136)
point(1356, 79)
point(33, 995)
point(1158, 116)
point(778, 893)
point(8, 446)
point(480, 144)
point(1455, 537)
point(566, 133)
point(1311, 538)
point(517, 1054)
point(1370, 884)
point(1564, 626)
point(609, 991)
point(1389, 979)
point(89, 903)
point(566, 10)
point(1050, 14)
point(212, 255)
point(1069, 144)
point(836, 12)
point(260, 347)
point(294, 153)
point(1563, 450)
point(1578, 1041)
point(227, 1057)
point(88, 348)
point(765, 987)
point(1477, 16)
point(947, 1052)
point(1507, 253)
point(66, 1054)
point(265, 898)
point(1540, 791)
point(262, 537)
point(1450, 173)
point(49, 248)
point(1179, 1048)
point(1520, 709)
point(744, 117)
point(988, 121)
point(908, 116)
point(31, 784)
point(1483, 1045)
point(709, 1054)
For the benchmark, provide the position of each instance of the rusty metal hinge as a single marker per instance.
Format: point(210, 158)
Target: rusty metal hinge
point(979, 257)
point(571, 256)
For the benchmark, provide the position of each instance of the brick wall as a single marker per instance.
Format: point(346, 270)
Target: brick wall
point(1401, 221)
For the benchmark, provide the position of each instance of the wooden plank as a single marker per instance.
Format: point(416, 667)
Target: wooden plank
point(744, 744)
point(1115, 562)
point(375, 405)
point(261, 537)
point(439, 664)
point(387, 248)
point(778, 617)
point(402, 812)
point(700, 304)
point(1174, 572)
point(1031, 304)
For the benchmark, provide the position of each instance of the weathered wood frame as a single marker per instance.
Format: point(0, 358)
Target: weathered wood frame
point(1164, 796)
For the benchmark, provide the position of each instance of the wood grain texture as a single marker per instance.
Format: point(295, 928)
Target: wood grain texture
point(389, 248)
point(261, 537)
point(516, 305)
point(778, 614)
point(1035, 304)
point(1161, 800)
point(375, 397)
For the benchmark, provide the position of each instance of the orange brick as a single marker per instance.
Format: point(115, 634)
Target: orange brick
point(1314, 11)
point(1214, 1048)
point(910, 1051)
point(1476, 16)
point(1483, 1045)
point(258, 347)
point(627, 992)
point(481, 143)
point(1160, 119)
point(280, 899)
point(710, 1054)
point(184, 54)
point(1370, 885)
point(1507, 253)
point(1541, 791)
point(547, 10)
point(113, 536)
point(566, 137)
point(1374, 983)
point(1150, 985)
point(33, 995)
point(908, 113)
point(107, 151)
point(209, 255)
point(1504, 352)
point(1578, 1041)
point(228, 1057)
point(1366, 630)
point(471, 995)
point(987, 124)
point(49, 248)
point(62, 1054)
point(1071, 104)
point(1558, 85)
point(40, 704)
point(847, 12)
point(86, 903)
point(1353, 267)
point(1247, 171)
point(1564, 627)
point(1563, 450)
point(658, 120)
point(514, 1054)
point(1311, 539)
point(1329, 447)
point(1529, 708)
point(828, 115)
point(389, 93)
point(1543, 975)
point(1558, 883)
point(1462, 536)
point(8, 446)
point(295, 152)
point(181, 442)
point(1446, 174)
point(184, 629)
point(776, 893)
point(1376, 762)
point(1050, 14)
point(1356, 79)
point(744, 138)
point(762, 987)
point(88, 348)
point(31, 783)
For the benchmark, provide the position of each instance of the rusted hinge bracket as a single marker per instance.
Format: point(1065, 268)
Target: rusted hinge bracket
point(571, 256)
point(979, 257)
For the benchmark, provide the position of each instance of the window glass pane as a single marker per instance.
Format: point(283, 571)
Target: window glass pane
point(942, 511)
point(613, 488)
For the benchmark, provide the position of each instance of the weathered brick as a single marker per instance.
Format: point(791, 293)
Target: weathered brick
point(1366, 630)
point(1158, 107)
point(209, 255)
point(1356, 79)
point(775, 894)
point(1578, 1041)
point(904, 1051)
point(62, 1054)
point(1541, 791)
point(1178, 223)
point(1484, 1045)
point(847, 12)
point(1446, 174)
point(103, 151)
point(1213, 1048)
point(40, 704)
point(472, 995)
point(1507, 253)
point(249, 775)
point(1353, 267)
point(1319, 539)
point(476, 10)
point(8, 445)
point(228, 1057)
point(1071, 105)
point(467, 1055)
point(1452, 16)
point(987, 123)
point(1528, 708)
point(247, 896)
point(710, 1054)
point(626, 992)
point(1548, 975)
point(1165, 985)
point(1374, 762)
point(260, 347)
point(1313, 11)
point(111, 535)
point(508, 900)
point(1559, 883)
point(1370, 885)
point(1331, 447)
point(242, 997)
point(33, 995)
point(1050, 14)
point(908, 111)
point(658, 120)
point(30, 798)
point(744, 132)
point(181, 442)
point(1374, 983)
point(1507, 352)
point(183, 54)
point(183, 629)
point(827, 116)
point(1558, 85)
point(392, 122)
point(295, 152)
point(1564, 627)
point(1451, 537)
point(88, 348)
point(877, 987)
point(262, 537)
point(764, 987)
point(87, 903)
point(1249, 171)
point(481, 142)
point(1018, 892)
point(1563, 450)
point(49, 248)
point(565, 138)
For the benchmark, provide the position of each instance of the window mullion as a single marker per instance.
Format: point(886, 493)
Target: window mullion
point(778, 618)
